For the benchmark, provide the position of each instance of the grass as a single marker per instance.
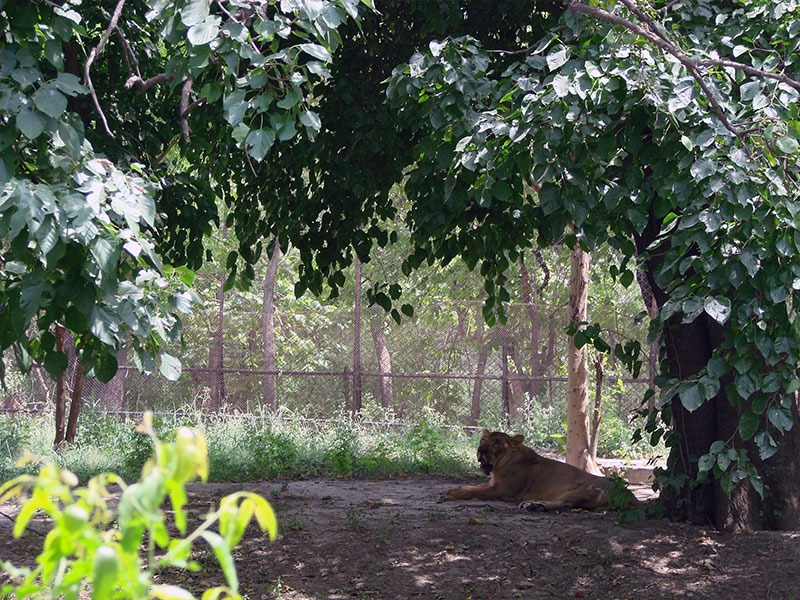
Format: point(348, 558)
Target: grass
point(261, 447)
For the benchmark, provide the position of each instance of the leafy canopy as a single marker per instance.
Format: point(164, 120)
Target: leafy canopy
point(98, 183)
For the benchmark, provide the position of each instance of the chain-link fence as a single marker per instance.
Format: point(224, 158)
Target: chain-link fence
point(323, 363)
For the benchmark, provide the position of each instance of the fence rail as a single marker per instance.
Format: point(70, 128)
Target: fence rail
point(444, 360)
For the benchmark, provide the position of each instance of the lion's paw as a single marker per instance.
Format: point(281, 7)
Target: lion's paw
point(532, 506)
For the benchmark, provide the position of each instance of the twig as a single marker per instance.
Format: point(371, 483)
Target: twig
point(97, 51)
point(130, 55)
point(186, 91)
point(140, 85)
point(655, 36)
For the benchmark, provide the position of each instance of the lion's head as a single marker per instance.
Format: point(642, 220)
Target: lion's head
point(494, 445)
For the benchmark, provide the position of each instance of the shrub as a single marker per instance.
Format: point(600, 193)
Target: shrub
point(98, 546)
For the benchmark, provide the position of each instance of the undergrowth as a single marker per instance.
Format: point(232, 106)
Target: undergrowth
point(269, 446)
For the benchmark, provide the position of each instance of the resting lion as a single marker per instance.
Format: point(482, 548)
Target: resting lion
point(519, 474)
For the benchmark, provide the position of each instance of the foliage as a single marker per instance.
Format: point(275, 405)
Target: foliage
point(254, 448)
point(681, 154)
point(89, 204)
point(97, 545)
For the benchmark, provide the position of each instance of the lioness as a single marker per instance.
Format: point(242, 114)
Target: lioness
point(519, 474)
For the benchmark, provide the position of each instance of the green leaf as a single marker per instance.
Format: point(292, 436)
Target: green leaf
point(706, 462)
point(55, 363)
point(258, 143)
point(105, 572)
point(750, 90)
point(105, 367)
point(745, 386)
point(170, 367)
point(205, 32)
point(235, 107)
point(748, 425)
point(787, 145)
point(224, 557)
point(780, 418)
point(317, 51)
point(766, 445)
point(703, 168)
point(195, 12)
point(50, 101)
point(557, 58)
point(170, 592)
point(718, 309)
point(30, 123)
point(691, 396)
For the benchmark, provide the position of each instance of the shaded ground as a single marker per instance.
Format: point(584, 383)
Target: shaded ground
point(391, 539)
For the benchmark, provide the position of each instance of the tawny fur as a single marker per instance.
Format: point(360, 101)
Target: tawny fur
point(518, 473)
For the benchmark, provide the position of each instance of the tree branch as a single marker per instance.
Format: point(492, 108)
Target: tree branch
point(655, 36)
point(140, 86)
point(186, 91)
point(97, 51)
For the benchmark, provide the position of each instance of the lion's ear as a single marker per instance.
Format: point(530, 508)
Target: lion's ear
point(518, 439)
point(485, 433)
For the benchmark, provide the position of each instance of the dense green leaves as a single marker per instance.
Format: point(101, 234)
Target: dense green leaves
point(83, 235)
point(623, 141)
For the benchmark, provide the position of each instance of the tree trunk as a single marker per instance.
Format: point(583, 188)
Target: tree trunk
point(530, 296)
point(578, 445)
point(216, 359)
point(270, 364)
point(386, 387)
point(594, 434)
point(356, 408)
point(480, 370)
point(687, 348)
point(113, 393)
point(75, 405)
point(61, 393)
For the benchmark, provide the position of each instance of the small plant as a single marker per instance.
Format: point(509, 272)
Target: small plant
point(115, 552)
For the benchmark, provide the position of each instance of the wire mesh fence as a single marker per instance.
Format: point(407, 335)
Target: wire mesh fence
point(323, 363)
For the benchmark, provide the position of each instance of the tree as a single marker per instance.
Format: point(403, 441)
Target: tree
point(663, 131)
point(579, 446)
point(270, 363)
point(681, 158)
point(99, 188)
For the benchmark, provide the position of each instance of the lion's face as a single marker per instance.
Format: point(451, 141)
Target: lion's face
point(494, 445)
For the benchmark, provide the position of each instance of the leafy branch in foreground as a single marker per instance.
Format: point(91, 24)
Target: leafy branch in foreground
point(115, 552)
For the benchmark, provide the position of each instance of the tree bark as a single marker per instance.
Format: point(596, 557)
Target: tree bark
point(594, 434)
point(480, 370)
point(530, 296)
point(270, 363)
point(216, 357)
point(61, 393)
point(356, 407)
point(386, 384)
point(578, 444)
point(113, 393)
point(688, 348)
point(75, 405)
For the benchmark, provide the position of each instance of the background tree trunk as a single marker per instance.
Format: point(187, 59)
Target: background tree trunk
point(216, 357)
point(530, 296)
point(61, 393)
point(386, 384)
point(270, 364)
point(578, 444)
point(75, 405)
point(356, 407)
point(480, 370)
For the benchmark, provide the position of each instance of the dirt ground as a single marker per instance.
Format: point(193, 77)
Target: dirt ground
point(352, 538)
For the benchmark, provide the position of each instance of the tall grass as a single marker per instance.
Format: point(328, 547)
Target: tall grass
point(268, 446)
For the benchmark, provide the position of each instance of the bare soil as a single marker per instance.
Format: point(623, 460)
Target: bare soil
point(351, 538)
